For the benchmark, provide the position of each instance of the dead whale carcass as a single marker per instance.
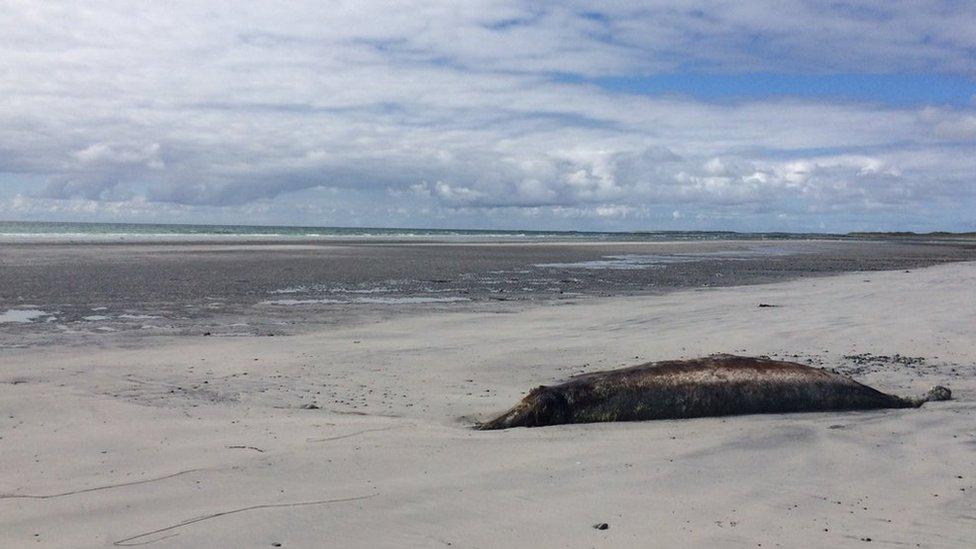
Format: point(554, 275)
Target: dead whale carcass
point(719, 385)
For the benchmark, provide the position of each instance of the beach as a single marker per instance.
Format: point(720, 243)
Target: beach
point(353, 425)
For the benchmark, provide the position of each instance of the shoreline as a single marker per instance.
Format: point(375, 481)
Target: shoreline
point(284, 240)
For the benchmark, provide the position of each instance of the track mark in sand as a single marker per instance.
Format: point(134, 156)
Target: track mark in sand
point(242, 447)
point(131, 541)
point(353, 434)
point(97, 488)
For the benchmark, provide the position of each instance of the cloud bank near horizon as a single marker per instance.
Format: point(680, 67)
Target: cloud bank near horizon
point(484, 113)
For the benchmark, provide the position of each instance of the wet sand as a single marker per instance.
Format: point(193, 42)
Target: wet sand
point(80, 292)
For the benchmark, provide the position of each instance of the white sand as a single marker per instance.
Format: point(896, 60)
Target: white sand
point(175, 433)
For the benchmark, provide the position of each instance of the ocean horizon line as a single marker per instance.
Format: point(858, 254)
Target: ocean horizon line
point(84, 230)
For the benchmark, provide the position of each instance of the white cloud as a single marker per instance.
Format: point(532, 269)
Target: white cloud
point(192, 106)
point(120, 154)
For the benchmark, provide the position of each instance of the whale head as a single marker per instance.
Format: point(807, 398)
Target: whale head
point(542, 406)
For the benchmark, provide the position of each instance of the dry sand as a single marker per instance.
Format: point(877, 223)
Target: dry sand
point(202, 442)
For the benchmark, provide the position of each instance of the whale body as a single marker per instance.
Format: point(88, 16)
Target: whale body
point(718, 385)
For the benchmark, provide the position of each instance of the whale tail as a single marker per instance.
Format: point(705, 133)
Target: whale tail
point(939, 393)
point(935, 394)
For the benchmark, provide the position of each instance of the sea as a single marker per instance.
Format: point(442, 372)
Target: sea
point(18, 231)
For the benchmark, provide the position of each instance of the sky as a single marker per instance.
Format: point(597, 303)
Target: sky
point(782, 115)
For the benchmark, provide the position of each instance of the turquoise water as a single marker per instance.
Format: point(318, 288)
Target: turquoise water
point(31, 230)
